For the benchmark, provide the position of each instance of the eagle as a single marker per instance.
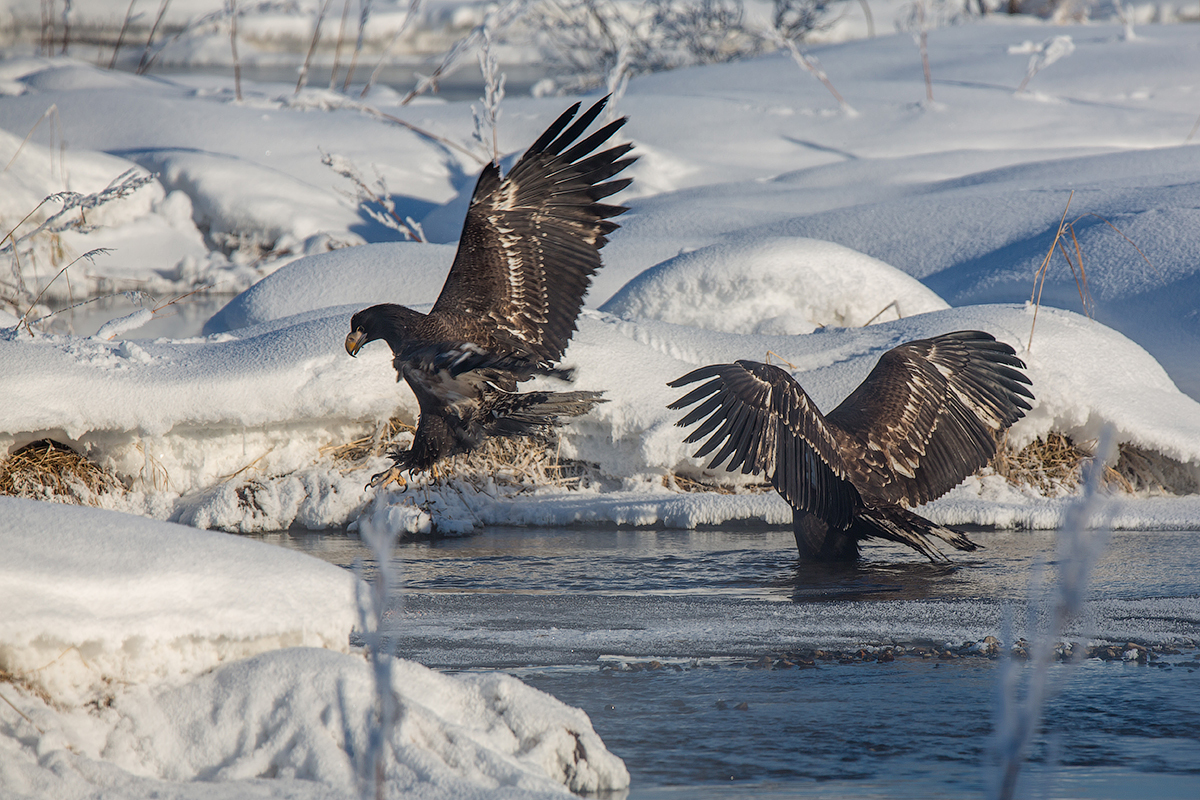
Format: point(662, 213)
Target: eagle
point(528, 250)
point(927, 416)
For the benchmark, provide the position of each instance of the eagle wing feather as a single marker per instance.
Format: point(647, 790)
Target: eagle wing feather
point(765, 423)
point(928, 415)
point(531, 240)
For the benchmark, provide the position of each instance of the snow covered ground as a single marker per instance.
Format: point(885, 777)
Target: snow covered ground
point(145, 657)
point(764, 219)
point(760, 213)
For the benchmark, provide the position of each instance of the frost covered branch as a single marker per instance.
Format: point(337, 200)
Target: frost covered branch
point(923, 16)
point(495, 21)
point(413, 7)
point(812, 66)
point(71, 216)
point(124, 185)
point(584, 43)
point(370, 201)
point(493, 93)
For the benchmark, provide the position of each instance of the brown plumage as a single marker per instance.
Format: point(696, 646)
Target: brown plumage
point(529, 247)
point(926, 417)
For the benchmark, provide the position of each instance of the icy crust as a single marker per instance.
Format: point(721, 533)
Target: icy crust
point(772, 285)
point(131, 600)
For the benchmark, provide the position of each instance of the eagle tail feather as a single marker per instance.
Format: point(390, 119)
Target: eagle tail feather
point(898, 524)
point(537, 413)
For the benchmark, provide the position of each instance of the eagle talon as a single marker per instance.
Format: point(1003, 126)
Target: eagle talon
point(388, 476)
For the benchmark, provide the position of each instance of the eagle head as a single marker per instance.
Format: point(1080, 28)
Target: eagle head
point(358, 335)
point(384, 321)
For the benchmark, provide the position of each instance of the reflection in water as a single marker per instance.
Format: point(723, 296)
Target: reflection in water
point(758, 565)
point(871, 580)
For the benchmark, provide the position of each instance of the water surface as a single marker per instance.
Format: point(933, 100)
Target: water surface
point(687, 649)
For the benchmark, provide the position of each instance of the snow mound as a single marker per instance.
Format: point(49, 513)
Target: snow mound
point(288, 723)
point(240, 203)
point(147, 658)
point(777, 285)
point(95, 598)
point(407, 273)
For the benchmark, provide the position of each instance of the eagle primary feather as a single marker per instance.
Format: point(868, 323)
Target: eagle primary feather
point(926, 416)
point(529, 248)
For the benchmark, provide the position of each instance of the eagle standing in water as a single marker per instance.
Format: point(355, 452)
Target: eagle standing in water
point(927, 416)
point(529, 247)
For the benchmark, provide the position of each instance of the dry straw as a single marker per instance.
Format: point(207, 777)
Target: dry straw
point(48, 470)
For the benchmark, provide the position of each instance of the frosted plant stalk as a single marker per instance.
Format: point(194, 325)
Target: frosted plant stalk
point(372, 606)
point(1048, 52)
point(1079, 547)
point(812, 66)
point(493, 94)
point(413, 7)
point(617, 81)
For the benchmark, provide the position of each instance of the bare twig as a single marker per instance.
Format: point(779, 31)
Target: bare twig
point(312, 47)
point(812, 66)
point(146, 60)
point(337, 50)
point(494, 21)
point(409, 16)
point(1039, 277)
point(364, 13)
point(231, 8)
point(52, 111)
point(894, 304)
point(493, 94)
point(90, 256)
point(365, 196)
point(121, 36)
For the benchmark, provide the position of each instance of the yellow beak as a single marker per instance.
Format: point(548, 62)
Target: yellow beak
point(355, 341)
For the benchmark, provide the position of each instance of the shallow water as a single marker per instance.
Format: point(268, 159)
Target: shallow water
point(678, 645)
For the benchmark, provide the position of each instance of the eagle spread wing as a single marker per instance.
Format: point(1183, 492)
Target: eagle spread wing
point(928, 415)
point(768, 424)
point(531, 241)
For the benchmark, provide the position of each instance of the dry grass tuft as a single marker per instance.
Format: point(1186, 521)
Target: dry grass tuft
point(49, 470)
point(680, 483)
point(1153, 473)
point(524, 462)
point(391, 434)
point(1053, 466)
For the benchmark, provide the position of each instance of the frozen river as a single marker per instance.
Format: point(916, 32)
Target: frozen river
point(717, 667)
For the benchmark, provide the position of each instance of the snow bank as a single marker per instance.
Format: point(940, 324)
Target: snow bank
point(772, 285)
point(95, 599)
point(148, 658)
point(189, 414)
point(245, 451)
point(407, 273)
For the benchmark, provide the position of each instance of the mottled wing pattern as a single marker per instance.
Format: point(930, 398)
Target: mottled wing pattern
point(760, 417)
point(929, 415)
point(531, 240)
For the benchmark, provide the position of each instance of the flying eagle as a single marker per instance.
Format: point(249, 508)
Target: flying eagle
point(927, 416)
point(528, 250)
